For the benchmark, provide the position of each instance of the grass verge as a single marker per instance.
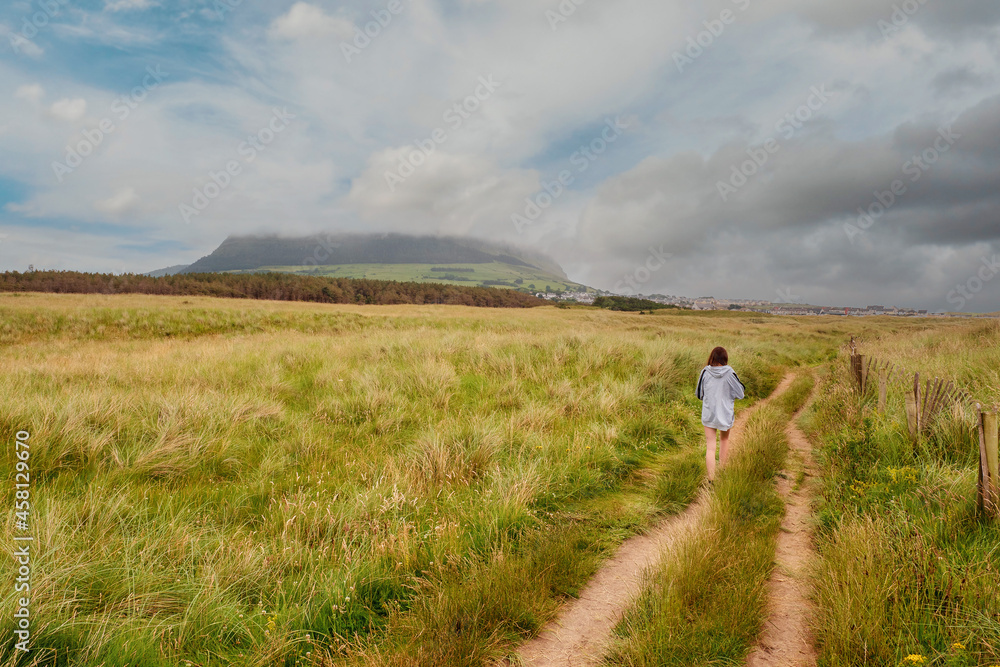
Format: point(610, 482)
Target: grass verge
point(908, 574)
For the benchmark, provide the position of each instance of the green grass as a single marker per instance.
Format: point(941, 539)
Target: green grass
point(262, 483)
point(706, 603)
point(906, 566)
point(492, 271)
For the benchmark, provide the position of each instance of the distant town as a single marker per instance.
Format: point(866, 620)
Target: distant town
point(755, 305)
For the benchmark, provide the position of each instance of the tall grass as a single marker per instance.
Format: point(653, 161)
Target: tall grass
point(907, 568)
point(706, 603)
point(277, 483)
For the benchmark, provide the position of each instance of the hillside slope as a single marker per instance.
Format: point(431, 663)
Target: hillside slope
point(244, 253)
point(168, 271)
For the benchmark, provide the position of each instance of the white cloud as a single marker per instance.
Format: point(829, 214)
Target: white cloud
point(449, 194)
point(31, 92)
point(121, 202)
point(305, 20)
point(19, 44)
point(126, 5)
point(69, 110)
point(28, 210)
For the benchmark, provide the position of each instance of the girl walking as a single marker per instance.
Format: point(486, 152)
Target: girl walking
point(718, 389)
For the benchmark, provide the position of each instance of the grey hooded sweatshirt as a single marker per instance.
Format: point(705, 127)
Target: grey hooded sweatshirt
point(718, 389)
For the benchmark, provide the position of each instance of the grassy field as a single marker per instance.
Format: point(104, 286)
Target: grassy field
point(469, 274)
point(908, 573)
point(260, 483)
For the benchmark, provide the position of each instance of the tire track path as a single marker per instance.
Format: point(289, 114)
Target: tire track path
point(579, 635)
point(787, 639)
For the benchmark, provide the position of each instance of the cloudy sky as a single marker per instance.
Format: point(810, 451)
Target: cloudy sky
point(841, 152)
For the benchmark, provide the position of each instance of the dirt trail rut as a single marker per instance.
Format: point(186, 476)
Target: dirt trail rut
point(579, 636)
point(787, 639)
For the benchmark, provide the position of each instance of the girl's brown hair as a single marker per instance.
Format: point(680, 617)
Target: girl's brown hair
point(719, 357)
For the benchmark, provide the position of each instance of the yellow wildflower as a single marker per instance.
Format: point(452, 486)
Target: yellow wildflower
point(915, 659)
point(958, 646)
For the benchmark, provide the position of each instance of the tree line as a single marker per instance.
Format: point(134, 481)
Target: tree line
point(629, 304)
point(271, 286)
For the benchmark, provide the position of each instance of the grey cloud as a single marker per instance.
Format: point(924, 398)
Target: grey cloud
point(786, 225)
point(958, 80)
point(952, 19)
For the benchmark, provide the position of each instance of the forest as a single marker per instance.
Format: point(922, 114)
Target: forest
point(270, 286)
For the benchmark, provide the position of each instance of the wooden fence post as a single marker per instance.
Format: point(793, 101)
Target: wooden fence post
point(911, 415)
point(883, 388)
point(913, 408)
point(916, 400)
point(859, 370)
point(983, 465)
point(992, 486)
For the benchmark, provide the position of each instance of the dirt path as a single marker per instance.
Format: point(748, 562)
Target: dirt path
point(787, 640)
point(578, 637)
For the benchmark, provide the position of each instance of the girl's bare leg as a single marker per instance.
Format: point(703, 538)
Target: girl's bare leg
point(723, 448)
point(710, 452)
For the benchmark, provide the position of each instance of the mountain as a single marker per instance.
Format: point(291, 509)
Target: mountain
point(394, 257)
point(169, 271)
point(247, 253)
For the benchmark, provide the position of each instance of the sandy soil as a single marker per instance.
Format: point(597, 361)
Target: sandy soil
point(787, 639)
